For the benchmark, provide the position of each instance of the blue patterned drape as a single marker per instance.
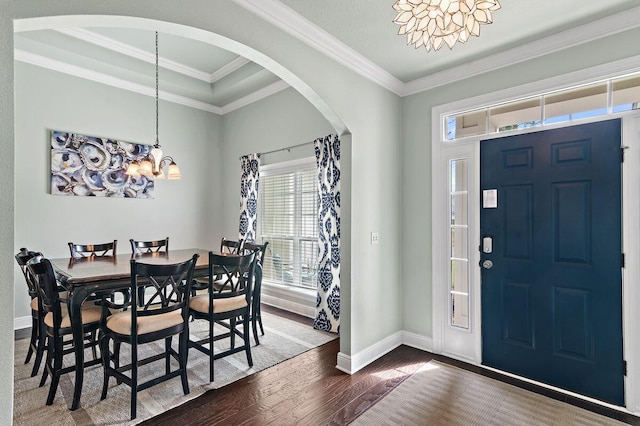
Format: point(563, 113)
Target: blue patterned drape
point(328, 301)
point(249, 196)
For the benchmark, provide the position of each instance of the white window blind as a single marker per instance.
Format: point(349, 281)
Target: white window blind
point(288, 220)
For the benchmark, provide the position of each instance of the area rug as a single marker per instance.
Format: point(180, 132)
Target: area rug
point(439, 394)
point(283, 339)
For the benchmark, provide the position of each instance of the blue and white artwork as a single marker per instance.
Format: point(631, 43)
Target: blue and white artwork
point(93, 166)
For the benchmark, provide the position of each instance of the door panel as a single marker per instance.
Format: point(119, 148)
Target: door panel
point(552, 298)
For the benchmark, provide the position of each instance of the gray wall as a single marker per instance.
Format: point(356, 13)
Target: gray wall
point(281, 120)
point(371, 308)
point(417, 316)
point(387, 285)
point(47, 100)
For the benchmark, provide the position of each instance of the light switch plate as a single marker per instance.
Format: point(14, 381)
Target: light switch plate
point(374, 238)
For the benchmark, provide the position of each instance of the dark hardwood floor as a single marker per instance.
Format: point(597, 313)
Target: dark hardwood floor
point(309, 390)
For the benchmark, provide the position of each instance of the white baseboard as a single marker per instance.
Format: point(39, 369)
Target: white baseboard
point(417, 341)
point(21, 322)
point(351, 364)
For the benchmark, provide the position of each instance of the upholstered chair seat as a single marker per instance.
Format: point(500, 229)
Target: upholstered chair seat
point(200, 303)
point(90, 314)
point(121, 322)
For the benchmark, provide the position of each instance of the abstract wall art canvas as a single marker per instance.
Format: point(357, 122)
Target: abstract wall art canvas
point(94, 166)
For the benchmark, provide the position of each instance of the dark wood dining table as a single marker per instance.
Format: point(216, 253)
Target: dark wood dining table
point(95, 275)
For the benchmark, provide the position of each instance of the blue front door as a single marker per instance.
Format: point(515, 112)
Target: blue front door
point(551, 258)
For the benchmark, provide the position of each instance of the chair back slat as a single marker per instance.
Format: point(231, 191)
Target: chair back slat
point(231, 246)
point(78, 251)
point(40, 272)
point(250, 247)
point(22, 258)
point(169, 287)
point(235, 272)
point(143, 247)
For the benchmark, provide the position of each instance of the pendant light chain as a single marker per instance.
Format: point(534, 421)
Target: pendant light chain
point(157, 95)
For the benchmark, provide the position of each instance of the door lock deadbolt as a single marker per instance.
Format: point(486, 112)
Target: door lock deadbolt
point(487, 264)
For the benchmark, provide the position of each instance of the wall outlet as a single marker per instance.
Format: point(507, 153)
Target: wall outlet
point(374, 238)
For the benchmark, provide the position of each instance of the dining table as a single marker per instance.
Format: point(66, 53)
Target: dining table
point(86, 276)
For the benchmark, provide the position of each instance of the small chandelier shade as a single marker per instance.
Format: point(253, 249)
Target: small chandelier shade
point(434, 23)
point(154, 163)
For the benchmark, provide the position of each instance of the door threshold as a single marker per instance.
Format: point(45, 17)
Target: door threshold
point(594, 405)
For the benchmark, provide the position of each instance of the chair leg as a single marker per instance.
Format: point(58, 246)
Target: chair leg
point(247, 341)
point(93, 345)
point(47, 363)
point(257, 315)
point(183, 350)
point(134, 380)
point(167, 355)
point(34, 339)
point(254, 325)
point(134, 400)
point(260, 323)
point(41, 346)
point(57, 366)
point(211, 351)
point(104, 351)
point(232, 330)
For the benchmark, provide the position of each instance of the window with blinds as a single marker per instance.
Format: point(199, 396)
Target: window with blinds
point(288, 220)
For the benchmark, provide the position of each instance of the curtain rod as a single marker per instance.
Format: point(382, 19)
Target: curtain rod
point(285, 149)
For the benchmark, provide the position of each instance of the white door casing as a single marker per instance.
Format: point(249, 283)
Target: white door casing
point(466, 345)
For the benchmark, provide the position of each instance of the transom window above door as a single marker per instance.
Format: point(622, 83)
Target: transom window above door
point(595, 99)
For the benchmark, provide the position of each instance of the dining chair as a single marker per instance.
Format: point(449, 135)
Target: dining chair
point(200, 284)
point(57, 324)
point(38, 335)
point(165, 314)
point(226, 305)
point(256, 317)
point(92, 250)
point(148, 247)
point(142, 247)
point(102, 250)
point(231, 246)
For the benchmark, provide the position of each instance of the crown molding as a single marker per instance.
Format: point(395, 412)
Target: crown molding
point(288, 20)
point(227, 69)
point(573, 37)
point(76, 71)
point(255, 96)
point(134, 52)
point(293, 23)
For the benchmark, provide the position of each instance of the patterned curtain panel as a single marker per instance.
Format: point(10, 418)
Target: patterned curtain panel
point(328, 301)
point(249, 196)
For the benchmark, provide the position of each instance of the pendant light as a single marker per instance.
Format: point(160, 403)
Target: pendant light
point(155, 164)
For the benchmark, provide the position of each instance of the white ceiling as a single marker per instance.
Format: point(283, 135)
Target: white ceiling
point(358, 33)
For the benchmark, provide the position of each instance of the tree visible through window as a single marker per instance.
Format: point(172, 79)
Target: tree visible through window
point(288, 220)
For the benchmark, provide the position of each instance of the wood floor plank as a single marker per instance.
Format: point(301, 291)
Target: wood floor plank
point(307, 390)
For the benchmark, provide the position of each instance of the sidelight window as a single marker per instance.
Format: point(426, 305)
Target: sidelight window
point(459, 245)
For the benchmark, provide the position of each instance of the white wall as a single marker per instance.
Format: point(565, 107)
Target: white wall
point(47, 100)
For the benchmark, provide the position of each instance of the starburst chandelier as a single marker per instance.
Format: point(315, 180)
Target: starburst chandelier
point(433, 23)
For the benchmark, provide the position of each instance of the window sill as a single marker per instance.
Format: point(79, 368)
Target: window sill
point(301, 301)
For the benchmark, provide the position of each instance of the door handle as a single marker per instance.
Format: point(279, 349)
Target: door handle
point(487, 264)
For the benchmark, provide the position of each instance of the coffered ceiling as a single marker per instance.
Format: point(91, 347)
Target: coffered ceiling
point(358, 33)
